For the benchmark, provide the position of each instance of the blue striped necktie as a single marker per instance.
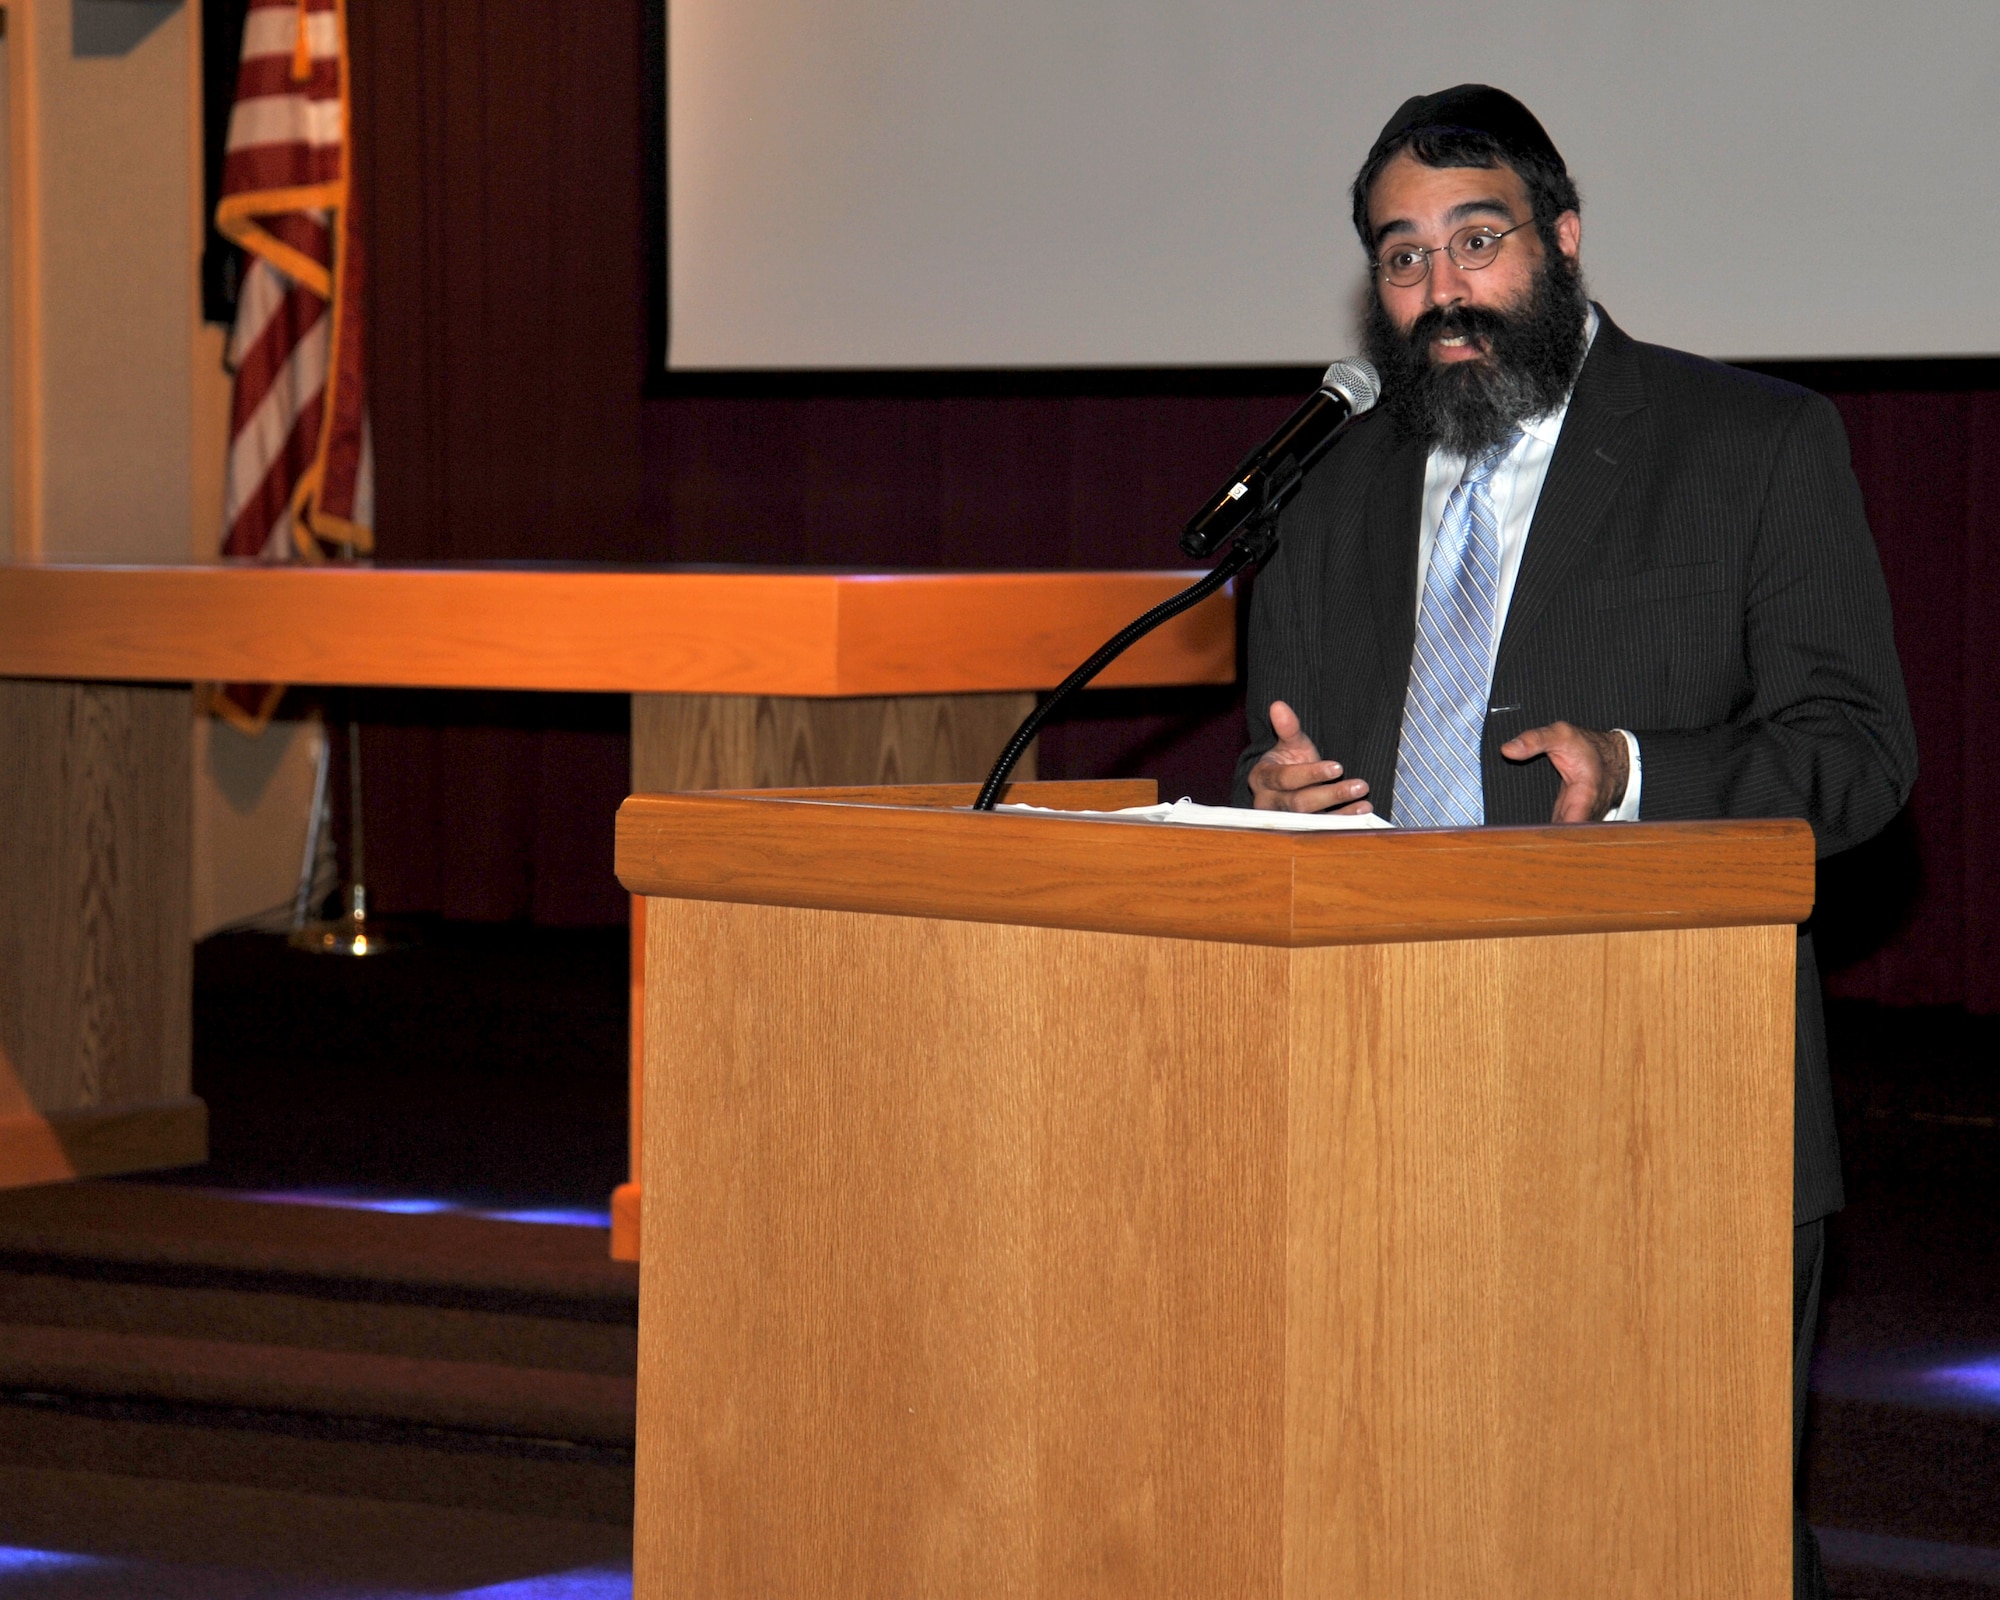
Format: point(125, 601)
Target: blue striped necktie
point(1438, 782)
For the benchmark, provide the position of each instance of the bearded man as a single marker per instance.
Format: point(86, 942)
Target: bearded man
point(1558, 575)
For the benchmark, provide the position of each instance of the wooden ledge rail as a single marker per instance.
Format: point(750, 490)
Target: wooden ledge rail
point(1235, 885)
point(632, 631)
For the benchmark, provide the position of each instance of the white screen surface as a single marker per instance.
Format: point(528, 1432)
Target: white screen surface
point(1055, 183)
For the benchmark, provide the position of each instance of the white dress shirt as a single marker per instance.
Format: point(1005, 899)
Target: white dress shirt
point(1516, 490)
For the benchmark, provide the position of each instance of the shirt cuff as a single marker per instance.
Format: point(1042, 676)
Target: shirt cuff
point(1627, 810)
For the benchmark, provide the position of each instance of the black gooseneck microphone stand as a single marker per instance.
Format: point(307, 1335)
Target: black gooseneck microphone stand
point(1254, 542)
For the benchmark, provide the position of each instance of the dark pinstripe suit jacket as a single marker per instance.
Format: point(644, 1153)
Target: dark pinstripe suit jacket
point(1699, 571)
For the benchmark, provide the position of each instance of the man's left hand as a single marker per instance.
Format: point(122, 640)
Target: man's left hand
point(1592, 765)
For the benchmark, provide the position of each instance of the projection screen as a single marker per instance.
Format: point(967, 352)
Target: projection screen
point(1061, 183)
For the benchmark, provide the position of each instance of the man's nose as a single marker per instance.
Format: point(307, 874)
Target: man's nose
point(1447, 284)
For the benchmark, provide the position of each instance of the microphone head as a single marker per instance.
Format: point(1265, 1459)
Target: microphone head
point(1355, 381)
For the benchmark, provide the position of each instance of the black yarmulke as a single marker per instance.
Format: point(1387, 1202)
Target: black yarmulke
point(1478, 107)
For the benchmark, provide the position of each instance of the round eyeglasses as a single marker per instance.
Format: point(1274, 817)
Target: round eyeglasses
point(1470, 249)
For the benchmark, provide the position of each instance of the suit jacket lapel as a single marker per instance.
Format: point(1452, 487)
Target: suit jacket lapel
point(1599, 438)
point(1389, 530)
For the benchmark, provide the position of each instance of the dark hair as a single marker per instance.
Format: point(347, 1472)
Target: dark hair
point(1551, 190)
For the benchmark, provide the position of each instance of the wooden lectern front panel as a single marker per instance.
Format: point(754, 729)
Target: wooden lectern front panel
point(1541, 1229)
point(964, 1261)
point(993, 1260)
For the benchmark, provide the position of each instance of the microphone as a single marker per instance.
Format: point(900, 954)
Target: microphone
point(1270, 475)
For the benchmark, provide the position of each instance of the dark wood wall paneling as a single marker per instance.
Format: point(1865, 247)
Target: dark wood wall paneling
point(502, 168)
point(1916, 915)
point(1053, 471)
point(496, 144)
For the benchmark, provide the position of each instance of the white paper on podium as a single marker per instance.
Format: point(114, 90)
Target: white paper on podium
point(1186, 812)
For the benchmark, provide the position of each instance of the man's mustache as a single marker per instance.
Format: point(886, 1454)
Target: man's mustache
point(1451, 322)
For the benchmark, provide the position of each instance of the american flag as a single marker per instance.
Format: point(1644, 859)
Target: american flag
point(300, 478)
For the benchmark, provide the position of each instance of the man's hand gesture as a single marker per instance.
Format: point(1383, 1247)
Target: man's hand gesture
point(1592, 765)
point(1291, 776)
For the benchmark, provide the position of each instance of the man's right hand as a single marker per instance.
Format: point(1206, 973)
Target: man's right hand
point(1291, 776)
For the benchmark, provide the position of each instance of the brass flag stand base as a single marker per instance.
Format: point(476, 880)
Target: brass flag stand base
point(351, 934)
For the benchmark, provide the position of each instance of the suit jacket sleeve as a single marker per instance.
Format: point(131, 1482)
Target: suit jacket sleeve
point(1825, 731)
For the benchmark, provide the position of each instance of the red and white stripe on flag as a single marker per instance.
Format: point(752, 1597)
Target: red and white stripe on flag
point(300, 477)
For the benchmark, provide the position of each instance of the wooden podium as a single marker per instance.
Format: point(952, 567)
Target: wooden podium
point(1046, 1207)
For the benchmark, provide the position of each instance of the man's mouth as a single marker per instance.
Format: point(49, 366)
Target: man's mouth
point(1450, 338)
point(1457, 347)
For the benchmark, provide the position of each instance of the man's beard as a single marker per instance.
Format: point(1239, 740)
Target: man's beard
point(1532, 353)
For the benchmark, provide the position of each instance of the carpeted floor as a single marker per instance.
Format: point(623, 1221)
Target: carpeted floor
point(206, 1398)
point(487, 1064)
point(107, 1536)
point(1903, 1453)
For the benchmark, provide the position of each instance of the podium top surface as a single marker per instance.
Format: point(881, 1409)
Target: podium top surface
point(1231, 885)
point(665, 630)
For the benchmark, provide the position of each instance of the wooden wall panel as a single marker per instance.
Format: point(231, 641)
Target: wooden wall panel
point(95, 954)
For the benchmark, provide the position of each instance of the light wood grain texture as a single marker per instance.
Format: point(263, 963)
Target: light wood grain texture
point(655, 760)
point(897, 631)
point(1540, 1265)
point(764, 742)
point(641, 631)
point(1237, 884)
point(93, 1144)
point(937, 1293)
point(95, 954)
point(1015, 1261)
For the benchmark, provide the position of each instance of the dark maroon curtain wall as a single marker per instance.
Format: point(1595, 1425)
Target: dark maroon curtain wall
point(1918, 912)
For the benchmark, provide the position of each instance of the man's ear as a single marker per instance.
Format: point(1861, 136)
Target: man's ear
point(1569, 234)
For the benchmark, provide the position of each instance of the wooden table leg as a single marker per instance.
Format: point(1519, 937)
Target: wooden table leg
point(96, 954)
point(689, 741)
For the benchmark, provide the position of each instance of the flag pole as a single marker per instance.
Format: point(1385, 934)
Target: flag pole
point(303, 903)
point(351, 933)
point(357, 886)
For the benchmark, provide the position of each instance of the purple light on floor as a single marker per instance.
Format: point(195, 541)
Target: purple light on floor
point(425, 1206)
point(395, 1205)
point(1978, 1379)
point(1849, 1554)
point(15, 1559)
point(585, 1583)
point(552, 1217)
